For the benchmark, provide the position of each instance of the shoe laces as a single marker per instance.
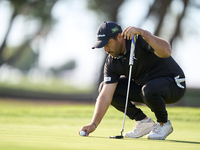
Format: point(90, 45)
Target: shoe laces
point(137, 125)
point(157, 128)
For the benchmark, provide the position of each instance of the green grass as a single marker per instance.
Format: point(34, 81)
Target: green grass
point(37, 126)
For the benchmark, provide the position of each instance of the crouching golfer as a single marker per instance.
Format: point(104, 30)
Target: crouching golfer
point(157, 80)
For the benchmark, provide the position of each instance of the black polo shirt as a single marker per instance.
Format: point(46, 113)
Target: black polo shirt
point(147, 65)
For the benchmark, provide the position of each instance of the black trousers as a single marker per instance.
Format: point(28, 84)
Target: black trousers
point(155, 94)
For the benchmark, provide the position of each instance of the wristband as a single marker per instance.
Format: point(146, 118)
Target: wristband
point(95, 124)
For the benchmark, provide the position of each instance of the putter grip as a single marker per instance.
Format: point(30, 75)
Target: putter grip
point(132, 51)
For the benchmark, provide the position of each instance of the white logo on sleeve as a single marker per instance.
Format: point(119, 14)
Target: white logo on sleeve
point(107, 78)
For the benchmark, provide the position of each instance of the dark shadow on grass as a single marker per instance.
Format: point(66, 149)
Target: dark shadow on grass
point(189, 142)
point(113, 138)
point(177, 141)
point(101, 137)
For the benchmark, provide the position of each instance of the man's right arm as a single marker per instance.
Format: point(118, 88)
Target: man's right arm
point(103, 102)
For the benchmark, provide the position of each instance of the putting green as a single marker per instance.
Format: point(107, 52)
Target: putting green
point(37, 126)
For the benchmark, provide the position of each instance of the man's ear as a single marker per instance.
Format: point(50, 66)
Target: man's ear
point(119, 36)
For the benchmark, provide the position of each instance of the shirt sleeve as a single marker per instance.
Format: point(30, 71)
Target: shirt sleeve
point(144, 45)
point(109, 75)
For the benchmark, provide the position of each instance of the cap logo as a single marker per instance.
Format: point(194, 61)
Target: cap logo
point(101, 35)
point(115, 29)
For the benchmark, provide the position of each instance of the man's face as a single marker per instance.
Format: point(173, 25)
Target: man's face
point(114, 47)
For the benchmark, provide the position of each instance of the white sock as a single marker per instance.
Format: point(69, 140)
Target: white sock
point(146, 120)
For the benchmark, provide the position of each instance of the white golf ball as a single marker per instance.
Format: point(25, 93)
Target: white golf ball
point(82, 133)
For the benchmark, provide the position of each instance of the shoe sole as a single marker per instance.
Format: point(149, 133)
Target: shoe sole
point(161, 138)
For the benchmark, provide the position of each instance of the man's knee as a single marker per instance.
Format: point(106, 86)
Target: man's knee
point(149, 93)
point(153, 98)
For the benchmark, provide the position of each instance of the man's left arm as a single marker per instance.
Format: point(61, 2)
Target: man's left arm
point(161, 47)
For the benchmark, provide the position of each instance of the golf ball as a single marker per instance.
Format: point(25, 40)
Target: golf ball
point(82, 133)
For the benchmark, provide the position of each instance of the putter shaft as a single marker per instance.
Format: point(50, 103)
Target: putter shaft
point(131, 62)
point(127, 95)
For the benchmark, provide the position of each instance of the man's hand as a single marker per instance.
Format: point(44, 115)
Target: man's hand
point(130, 31)
point(88, 129)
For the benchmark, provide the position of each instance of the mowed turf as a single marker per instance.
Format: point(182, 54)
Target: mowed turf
point(41, 126)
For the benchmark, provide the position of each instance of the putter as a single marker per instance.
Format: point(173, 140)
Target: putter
point(131, 61)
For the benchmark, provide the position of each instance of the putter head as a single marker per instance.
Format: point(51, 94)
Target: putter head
point(116, 137)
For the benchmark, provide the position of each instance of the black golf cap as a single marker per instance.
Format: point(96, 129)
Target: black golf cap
point(105, 31)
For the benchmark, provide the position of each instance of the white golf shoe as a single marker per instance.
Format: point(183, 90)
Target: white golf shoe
point(160, 132)
point(141, 128)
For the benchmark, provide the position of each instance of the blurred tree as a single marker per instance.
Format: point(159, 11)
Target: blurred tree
point(67, 66)
point(160, 9)
point(23, 61)
point(31, 10)
point(107, 10)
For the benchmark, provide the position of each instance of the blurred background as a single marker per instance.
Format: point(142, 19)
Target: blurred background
point(45, 45)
